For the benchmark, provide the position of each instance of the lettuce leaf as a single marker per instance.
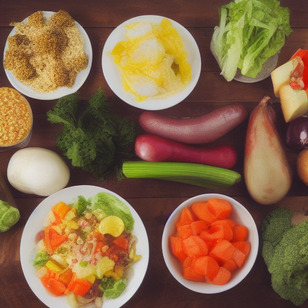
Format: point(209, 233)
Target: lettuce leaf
point(9, 216)
point(111, 205)
point(249, 33)
point(111, 288)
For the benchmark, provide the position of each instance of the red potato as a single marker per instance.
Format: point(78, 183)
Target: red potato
point(155, 149)
point(203, 129)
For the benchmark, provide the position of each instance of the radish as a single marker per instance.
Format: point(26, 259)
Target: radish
point(203, 129)
point(157, 149)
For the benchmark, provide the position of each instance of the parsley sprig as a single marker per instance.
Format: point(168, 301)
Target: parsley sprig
point(93, 138)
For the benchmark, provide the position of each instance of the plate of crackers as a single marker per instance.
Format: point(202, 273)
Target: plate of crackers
point(48, 55)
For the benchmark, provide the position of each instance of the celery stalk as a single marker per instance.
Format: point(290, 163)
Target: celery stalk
point(189, 173)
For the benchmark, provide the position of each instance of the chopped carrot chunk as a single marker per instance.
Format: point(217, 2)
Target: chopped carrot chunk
point(194, 246)
point(222, 251)
point(230, 265)
point(220, 208)
point(223, 276)
point(240, 233)
point(190, 273)
point(206, 266)
point(201, 210)
point(184, 231)
point(177, 248)
point(186, 217)
point(198, 226)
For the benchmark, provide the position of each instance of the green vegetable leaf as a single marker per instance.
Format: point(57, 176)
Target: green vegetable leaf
point(93, 138)
point(9, 216)
point(41, 259)
point(111, 205)
point(64, 111)
point(249, 33)
point(112, 288)
point(81, 204)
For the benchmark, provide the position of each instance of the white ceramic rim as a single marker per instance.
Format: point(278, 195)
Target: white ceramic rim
point(62, 91)
point(203, 287)
point(35, 224)
point(112, 72)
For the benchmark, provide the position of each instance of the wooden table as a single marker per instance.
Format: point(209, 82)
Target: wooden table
point(154, 200)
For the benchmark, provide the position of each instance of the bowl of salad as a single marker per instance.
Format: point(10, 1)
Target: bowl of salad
point(84, 245)
point(210, 243)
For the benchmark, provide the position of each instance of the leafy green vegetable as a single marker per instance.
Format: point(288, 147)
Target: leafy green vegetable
point(41, 259)
point(285, 251)
point(111, 205)
point(81, 205)
point(9, 216)
point(249, 33)
point(93, 138)
point(112, 288)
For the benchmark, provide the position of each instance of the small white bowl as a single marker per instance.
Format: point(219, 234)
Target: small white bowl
point(239, 214)
point(35, 224)
point(112, 72)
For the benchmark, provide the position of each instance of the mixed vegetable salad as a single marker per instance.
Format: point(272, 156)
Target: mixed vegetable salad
point(85, 249)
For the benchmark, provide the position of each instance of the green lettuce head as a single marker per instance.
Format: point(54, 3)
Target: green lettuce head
point(9, 216)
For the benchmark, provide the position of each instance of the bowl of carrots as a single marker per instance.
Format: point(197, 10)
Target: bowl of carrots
point(210, 243)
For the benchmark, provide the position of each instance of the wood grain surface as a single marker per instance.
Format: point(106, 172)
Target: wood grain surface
point(154, 200)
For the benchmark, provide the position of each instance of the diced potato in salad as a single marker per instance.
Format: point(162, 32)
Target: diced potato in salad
point(85, 249)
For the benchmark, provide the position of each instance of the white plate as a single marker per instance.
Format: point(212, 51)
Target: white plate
point(240, 215)
point(62, 91)
point(112, 72)
point(35, 224)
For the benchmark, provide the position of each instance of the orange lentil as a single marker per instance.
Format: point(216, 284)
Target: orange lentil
point(15, 117)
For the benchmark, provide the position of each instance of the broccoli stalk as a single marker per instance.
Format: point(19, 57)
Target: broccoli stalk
point(285, 252)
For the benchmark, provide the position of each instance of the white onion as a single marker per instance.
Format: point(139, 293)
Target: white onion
point(37, 171)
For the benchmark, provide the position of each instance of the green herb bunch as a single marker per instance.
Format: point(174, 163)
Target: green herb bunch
point(93, 138)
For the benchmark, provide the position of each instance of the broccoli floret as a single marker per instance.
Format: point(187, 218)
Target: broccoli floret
point(275, 224)
point(285, 251)
point(9, 216)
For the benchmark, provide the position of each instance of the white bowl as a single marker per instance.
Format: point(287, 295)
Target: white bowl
point(239, 214)
point(35, 224)
point(112, 72)
point(62, 91)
